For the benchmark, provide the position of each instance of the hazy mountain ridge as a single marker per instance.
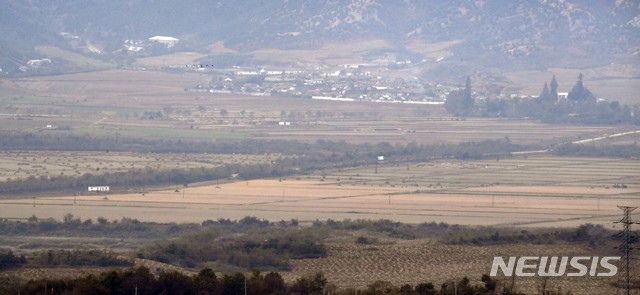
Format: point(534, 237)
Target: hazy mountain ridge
point(533, 32)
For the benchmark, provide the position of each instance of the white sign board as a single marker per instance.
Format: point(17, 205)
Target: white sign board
point(98, 188)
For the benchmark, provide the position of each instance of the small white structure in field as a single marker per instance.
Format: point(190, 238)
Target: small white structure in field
point(284, 123)
point(98, 188)
point(380, 158)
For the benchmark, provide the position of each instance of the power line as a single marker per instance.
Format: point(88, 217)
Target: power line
point(627, 237)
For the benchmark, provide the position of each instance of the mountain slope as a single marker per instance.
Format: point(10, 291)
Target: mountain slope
point(531, 33)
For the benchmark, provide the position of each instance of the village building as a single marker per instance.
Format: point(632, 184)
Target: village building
point(165, 40)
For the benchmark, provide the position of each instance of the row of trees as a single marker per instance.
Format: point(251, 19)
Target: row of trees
point(10, 260)
point(629, 151)
point(578, 93)
point(69, 142)
point(141, 281)
point(121, 228)
point(307, 158)
point(579, 107)
point(54, 258)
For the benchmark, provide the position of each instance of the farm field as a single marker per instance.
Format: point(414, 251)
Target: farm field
point(418, 261)
point(534, 191)
point(123, 103)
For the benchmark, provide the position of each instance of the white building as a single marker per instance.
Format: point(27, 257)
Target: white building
point(165, 40)
point(563, 95)
point(35, 63)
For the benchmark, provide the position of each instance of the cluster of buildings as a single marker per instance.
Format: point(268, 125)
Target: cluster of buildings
point(140, 45)
point(349, 82)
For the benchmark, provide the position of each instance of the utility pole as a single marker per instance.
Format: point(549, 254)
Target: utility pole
point(625, 247)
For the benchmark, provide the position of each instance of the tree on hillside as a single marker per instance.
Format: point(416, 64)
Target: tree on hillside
point(579, 93)
point(553, 89)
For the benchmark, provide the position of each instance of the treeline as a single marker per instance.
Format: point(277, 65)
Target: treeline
point(279, 236)
point(629, 151)
point(456, 234)
point(259, 245)
point(580, 106)
point(141, 281)
point(101, 227)
point(134, 178)
point(563, 111)
point(305, 158)
point(127, 227)
point(70, 142)
point(55, 258)
point(595, 235)
point(10, 260)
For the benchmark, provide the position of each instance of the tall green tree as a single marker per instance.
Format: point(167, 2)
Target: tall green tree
point(205, 282)
point(468, 99)
point(545, 95)
point(274, 283)
point(579, 93)
point(233, 284)
point(461, 103)
point(553, 89)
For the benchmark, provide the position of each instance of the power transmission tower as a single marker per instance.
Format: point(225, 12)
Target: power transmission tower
point(628, 238)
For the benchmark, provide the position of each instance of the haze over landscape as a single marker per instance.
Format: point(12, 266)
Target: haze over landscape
point(316, 147)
